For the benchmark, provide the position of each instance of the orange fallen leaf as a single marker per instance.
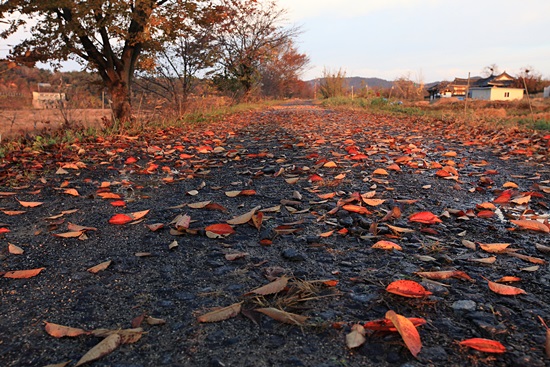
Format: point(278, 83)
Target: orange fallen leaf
point(70, 234)
point(521, 200)
point(356, 209)
point(380, 171)
point(59, 331)
point(13, 212)
point(99, 267)
point(504, 197)
point(72, 192)
point(484, 345)
point(326, 234)
point(506, 279)
point(23, 274)
point(533, 225)
point(15, 250)
point(109, 195)
point(30, 204)
point(444, 274)
point(387, 245)
point(495, 248)
point(373, 202)
point(407, 288)
point(118, 203)
point(407, 330)
point(505, 290)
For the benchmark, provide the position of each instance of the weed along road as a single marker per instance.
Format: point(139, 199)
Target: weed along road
point(290, 236)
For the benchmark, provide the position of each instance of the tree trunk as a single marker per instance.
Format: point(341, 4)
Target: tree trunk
point(120, 96)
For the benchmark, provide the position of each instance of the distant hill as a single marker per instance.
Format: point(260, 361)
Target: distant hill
point(358, 82)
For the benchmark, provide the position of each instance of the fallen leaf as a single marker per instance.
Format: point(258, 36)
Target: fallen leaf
point(59, 331)
point(521, 200)
point(534, 260)
point(220, 229)
point(387, 325)
point(387, 245)
point(380, 171)
point(128, 336)
point(103, 348)
point(15, 250)
point(484, 345)
point(356, 337)
point(486, 260)
point(154, 227)
point(71, 234)
point(199, 205)
point(109, 195)
point(99, 267)
point(407, 288)
point(444, 274)
point(235, 256)
point(13, 212)
point(505, 290)
point(274, 287)
point(221, 313)
point(425, 217)
point(496, 248)
point(30, 204)
point(120, 219)
point(356, 209)
point(244, 218)
point(154, 321)
point(283, 316)
point(407, 330)
point(23, 274)
point(72, 192)
point(533, 225)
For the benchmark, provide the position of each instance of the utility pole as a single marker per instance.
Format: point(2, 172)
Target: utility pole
point(528, 98)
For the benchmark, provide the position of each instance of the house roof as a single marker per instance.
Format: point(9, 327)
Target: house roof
point(501, 80)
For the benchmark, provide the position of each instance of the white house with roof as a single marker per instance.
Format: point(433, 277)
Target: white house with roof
point(495, 88)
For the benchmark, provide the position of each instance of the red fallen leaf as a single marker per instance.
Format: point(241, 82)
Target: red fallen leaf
point(118, 203)
point(154, 227)
point(266, 242)
point(387, 245)
point(120, 219)
point(442, 173)
point(533, 225)
point(356, 209)
point(248, 192)
point(220, 228)
point(330, 283)
point(329, 195)
point(504, 197)
point(130, 160)
point(394, 167)
point(407, 288)
point(485, 214)
point(315, 178)
point(23, 274)
point(4, 230)
point(407, 331)
point(387, 325)
point(425, 217)
point(484, 345)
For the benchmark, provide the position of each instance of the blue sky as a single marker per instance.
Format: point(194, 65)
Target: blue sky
point(424, 40)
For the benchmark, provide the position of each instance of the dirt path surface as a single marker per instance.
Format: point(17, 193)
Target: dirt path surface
point(307, 192)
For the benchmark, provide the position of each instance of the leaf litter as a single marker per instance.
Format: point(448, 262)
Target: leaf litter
point(357, 185)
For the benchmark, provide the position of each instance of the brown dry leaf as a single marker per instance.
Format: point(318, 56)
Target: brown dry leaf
point(59, 331)
point(232, 194)
point(444, 274)
point(71, 234)
point(154, 321)
point(244, 218)
point(407, 330)
point(30, 204)
point(387, 245)
point(400, 229)
point(128, 336)
point(505, 290)
point(182, 222)
point(486, 260)
point(221, 313)
point(103, 348)
point(76, 227)
point(533, 225)
point(15, 250)
point(469, 244)
point(257, 220)
point(23, 274)
point(495, 248)
point(235, 256)
point(199, 205)
point(374, 202)
point(283, 316)
point(292, 180)
point(274, 287)
point(62, 364)
point(531, 259)
point(356, 337)
point(155, 226)
point(99, 267)
point(173, 245)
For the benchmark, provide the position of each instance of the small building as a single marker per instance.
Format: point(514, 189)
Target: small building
point(495, 88)
point(47, 100)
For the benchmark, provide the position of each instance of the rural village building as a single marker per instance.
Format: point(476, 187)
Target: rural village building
point(493, 88)
point(47, 99)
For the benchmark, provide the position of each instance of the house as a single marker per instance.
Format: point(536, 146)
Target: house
point(494, 88)
point(47, 100)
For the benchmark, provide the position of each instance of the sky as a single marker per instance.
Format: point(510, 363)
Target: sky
point(423, 40)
